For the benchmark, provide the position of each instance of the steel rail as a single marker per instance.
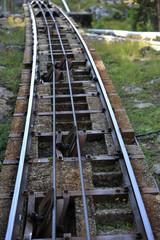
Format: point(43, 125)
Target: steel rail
point(54, 130)
point(77, 135)
point(14, 205)
point(142, 210)
point(66, 6)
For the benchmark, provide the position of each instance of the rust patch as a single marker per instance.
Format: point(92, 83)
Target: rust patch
point(23, 91)
point(21, 106)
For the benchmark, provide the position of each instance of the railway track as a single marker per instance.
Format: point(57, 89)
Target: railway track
point(66, 158)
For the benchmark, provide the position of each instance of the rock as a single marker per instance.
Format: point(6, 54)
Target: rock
point(15, 47)
point(154, 81)
point(5, 95)
point(144, 50)
point(6, 27)
point(3, 21)
point(2, 46)
point(158, 139)
point(143, 105)
point(99, 11)
point(132, 89)
point(156, 169)
point(2, 68)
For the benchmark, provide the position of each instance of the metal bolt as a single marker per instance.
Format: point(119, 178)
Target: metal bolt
point(11, 193)
point(138, 235)
point(89, 156)
point(109, 129)
point(60, 157)
point(95, 79)
point(126, 189)
point(31, 192)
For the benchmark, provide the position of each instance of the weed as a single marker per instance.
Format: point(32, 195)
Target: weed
point(116, 204)
point(50, 158)
point(4, 131)
point(115, 225)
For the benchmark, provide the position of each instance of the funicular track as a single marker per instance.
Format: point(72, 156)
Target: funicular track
point(73, 161)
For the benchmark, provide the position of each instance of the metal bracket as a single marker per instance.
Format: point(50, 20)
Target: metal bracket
point(82, 139)
point(29, 224)
point(49, 74)
point(62, 206)
point(62, 64)
point(44, 213)
point(70, 140)
point(59, 145)
point(67, 236)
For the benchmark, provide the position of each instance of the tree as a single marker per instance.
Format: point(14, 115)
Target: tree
point(145, 15)
point(158, 13)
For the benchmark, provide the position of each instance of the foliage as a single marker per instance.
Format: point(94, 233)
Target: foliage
point(143, 16)
point(12, 60)
point(110, 23)
point(10, 76)
point(115, 225)
point(4, 131)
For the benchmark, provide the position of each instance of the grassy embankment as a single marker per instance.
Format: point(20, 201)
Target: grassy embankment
point(127, 68)
point(10, 77)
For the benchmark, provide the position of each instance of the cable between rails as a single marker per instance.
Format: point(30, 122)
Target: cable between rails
point(54, 130)
point(77, 136)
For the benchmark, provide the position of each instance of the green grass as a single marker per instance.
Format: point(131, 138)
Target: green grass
point(116, 204)
point(110, 23)
point(126, 67)
point(4, 131)
point(10, 77)
point(115, 225)
point(12, 60)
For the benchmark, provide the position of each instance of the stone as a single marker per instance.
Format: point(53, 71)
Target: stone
point(156, 169)
point(6, 27)
point(144, 50)
point(2, 46)
point(158, 138)
point(132, 89)
point(5, 95)
point(143, 105)
point(2, 68)
point(15, 47)
point(154, 81)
